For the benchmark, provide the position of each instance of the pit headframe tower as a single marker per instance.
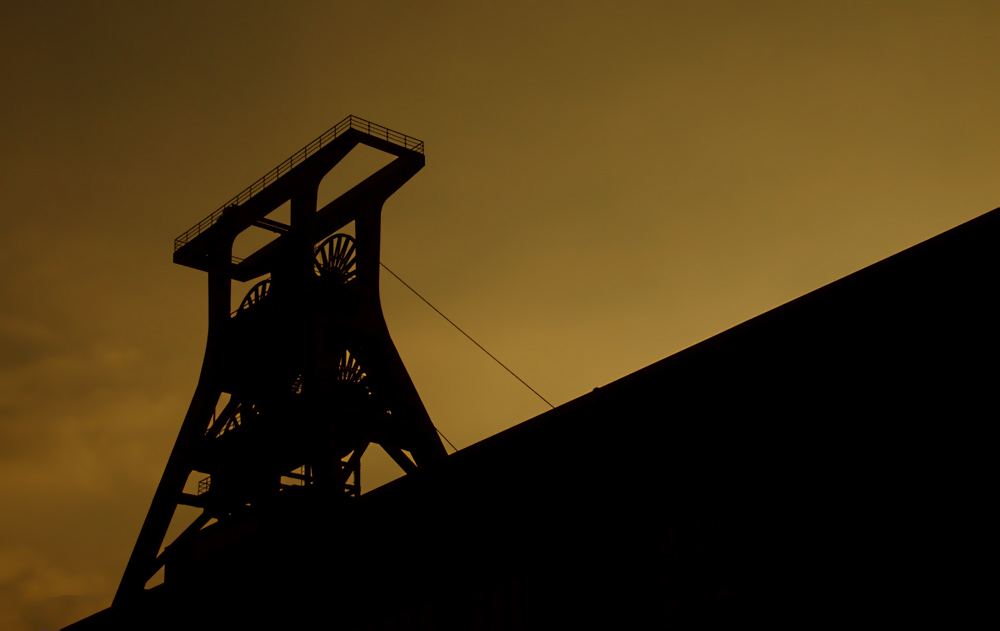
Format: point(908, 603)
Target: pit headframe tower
point(312, 376)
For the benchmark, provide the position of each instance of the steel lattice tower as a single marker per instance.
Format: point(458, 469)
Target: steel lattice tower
point(312, 375)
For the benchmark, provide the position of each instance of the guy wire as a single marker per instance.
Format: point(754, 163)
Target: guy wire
point(466, 335)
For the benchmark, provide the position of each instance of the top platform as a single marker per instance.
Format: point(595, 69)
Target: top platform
point(374, 130)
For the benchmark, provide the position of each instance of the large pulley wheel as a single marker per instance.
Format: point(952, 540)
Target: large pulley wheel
point(354, 398)
point(350, 379)
point(335, 259)
point(349, 370)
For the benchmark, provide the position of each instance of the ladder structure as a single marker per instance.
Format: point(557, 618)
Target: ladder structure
point(312, 377)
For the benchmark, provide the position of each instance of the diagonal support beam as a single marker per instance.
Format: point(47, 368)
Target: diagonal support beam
point(273, 226)
point(400, 458)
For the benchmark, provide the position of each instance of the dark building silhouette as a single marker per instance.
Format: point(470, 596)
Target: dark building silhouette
point(823, 463)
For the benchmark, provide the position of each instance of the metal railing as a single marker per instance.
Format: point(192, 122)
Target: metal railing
point(351, 122)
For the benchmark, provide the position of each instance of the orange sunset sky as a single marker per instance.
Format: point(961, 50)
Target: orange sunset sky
point(607, 183)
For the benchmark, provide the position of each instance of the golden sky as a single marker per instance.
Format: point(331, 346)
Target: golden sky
point(606, 183)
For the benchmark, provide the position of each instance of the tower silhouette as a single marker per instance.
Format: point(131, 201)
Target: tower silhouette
point(312, 376)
